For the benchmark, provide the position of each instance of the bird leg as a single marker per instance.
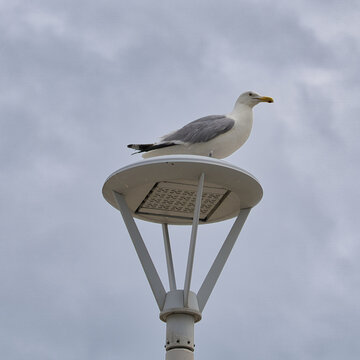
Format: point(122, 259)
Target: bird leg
point(211, 153)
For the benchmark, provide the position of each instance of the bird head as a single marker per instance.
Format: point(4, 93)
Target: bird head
point(251, 99)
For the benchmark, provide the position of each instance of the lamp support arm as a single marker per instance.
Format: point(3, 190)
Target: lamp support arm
point(192, 244)
point(141, 250)
point(169, 259)
point(220, 260)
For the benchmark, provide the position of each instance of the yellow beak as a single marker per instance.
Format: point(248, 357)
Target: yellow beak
point(266, 99)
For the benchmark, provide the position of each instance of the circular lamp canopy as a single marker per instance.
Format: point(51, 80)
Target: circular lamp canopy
point(163, 189)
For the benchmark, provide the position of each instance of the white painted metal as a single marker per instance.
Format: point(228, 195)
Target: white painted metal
point(180, 332)
point(142, 252)
point(174, 304)
point(220, 260)
point(180, 324)
point(192, 244)
point(135, 181)
point(169, 259)
point(233, 191)
point(179, 354)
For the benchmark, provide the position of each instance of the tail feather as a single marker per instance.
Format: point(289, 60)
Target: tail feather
point(148, 147)
point(140, 147)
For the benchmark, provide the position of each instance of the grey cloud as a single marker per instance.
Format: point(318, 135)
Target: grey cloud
point(79, 80)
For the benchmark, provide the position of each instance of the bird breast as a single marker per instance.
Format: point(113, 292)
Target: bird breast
point(238, 135)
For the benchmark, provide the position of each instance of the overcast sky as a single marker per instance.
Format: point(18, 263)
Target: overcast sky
point(81, 79)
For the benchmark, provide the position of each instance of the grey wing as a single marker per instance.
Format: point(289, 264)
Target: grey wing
point(202, 130)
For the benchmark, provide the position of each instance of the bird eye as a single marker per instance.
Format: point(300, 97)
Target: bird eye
point(250, 94)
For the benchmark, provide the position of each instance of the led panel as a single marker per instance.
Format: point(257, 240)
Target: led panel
point(178, 200)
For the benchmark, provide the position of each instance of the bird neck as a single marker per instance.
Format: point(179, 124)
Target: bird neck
point(241, 112)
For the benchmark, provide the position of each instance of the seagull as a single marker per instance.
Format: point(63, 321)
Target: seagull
point(216, 136)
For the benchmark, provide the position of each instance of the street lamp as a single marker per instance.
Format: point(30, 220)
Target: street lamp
point(182, 190)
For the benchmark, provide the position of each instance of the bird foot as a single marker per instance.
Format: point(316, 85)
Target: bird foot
point(211, 153)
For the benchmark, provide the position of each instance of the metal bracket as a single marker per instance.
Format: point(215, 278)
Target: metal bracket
point(220, 260)
point(148, 265)
point(142, 252)
point(194, 228)
point(169, 259)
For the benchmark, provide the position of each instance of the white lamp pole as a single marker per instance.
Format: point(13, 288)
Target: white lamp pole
point(166, 190)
